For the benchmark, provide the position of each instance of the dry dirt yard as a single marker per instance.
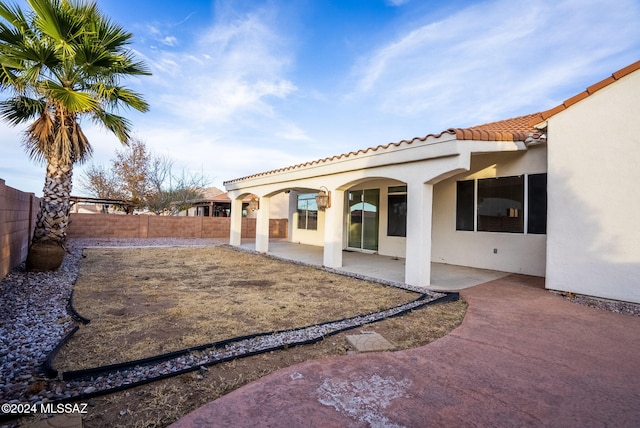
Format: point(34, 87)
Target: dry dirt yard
point(147, 301)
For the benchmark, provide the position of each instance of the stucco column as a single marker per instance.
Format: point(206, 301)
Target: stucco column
point(262, 225)
point(235, 234)
point(419, 217)
point(293, 209)
point(334, 230)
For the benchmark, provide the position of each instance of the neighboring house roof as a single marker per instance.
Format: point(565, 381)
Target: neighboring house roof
point(211, 192)
point(520, 128)
point(541, 117)
point(89, 200)
point(220, 198)
point(208, 194)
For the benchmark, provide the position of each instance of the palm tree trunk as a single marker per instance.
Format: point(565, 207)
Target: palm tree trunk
point(47, 247)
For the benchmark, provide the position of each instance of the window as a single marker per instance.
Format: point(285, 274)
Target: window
point(397, 217)
point(465, 200)
point(537, 210)
point(500, 203)
point(307, 211)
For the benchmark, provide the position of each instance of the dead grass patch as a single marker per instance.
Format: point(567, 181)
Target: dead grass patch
point(147, 301)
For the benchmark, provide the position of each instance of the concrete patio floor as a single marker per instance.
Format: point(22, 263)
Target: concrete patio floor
point(444, 277)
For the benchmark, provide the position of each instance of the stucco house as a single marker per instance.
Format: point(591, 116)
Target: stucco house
point(548, 194)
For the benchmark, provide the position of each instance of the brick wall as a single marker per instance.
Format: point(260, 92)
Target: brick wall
point(144, 226)
point(18, 211)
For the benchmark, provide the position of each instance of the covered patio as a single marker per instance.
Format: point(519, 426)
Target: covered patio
point(444, 277)
point(400, 201)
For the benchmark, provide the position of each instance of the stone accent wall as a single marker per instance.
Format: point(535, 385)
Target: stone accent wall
point(145, 226)
point(18, 212)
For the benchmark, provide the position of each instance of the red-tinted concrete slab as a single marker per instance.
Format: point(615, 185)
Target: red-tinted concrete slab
point(522, 357)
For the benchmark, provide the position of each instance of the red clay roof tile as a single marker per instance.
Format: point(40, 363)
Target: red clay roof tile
point(601, 84)
point(627, 70)
point(571, 101)
point(515, 129)
point(551, 112)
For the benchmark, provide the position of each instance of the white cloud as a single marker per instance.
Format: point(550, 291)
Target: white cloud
point(397, 3)
point(213, 100)
point(494, 57)
point(170, 41)
point(235, 68)
point(294, 133)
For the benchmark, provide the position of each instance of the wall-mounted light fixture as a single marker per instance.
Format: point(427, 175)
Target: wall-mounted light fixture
point(323, 199)
point(254, 204)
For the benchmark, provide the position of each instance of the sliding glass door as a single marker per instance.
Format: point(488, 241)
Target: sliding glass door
point(363, 219)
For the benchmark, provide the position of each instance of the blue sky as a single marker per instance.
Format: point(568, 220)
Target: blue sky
point(240, 87)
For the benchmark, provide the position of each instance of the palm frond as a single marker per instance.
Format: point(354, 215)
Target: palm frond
point(10, 35)
point(129, 66)
point(21, 109)
point(13, 14)
point(92, 55)
point(118, 96)
point(118, 125)
point(73, 101)
point(80, 143)
point(60, 21)
point(57, 136)
point(9, 79)
point(39, 138)
point(111, 36)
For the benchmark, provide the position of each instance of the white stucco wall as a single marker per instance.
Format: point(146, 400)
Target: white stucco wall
point(516, 252)
point(279, 206)
point(309, 237)
point(593, 242)
point(303, 236)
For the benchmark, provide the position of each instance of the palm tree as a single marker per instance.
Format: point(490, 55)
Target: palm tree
point(63, 61)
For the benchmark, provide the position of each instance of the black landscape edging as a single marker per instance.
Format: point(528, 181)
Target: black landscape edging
point(74, 313)
point(47, 366)
point(448, 297)
point(78, 374)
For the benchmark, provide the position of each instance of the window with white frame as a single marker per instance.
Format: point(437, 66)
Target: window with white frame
point(307, 211)
point(516, 204)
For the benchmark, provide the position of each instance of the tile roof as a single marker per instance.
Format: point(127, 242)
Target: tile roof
point(541, 117)
point(515, 129)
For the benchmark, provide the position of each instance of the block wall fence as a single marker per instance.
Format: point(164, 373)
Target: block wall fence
point(145, 226)
point(18, 212)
